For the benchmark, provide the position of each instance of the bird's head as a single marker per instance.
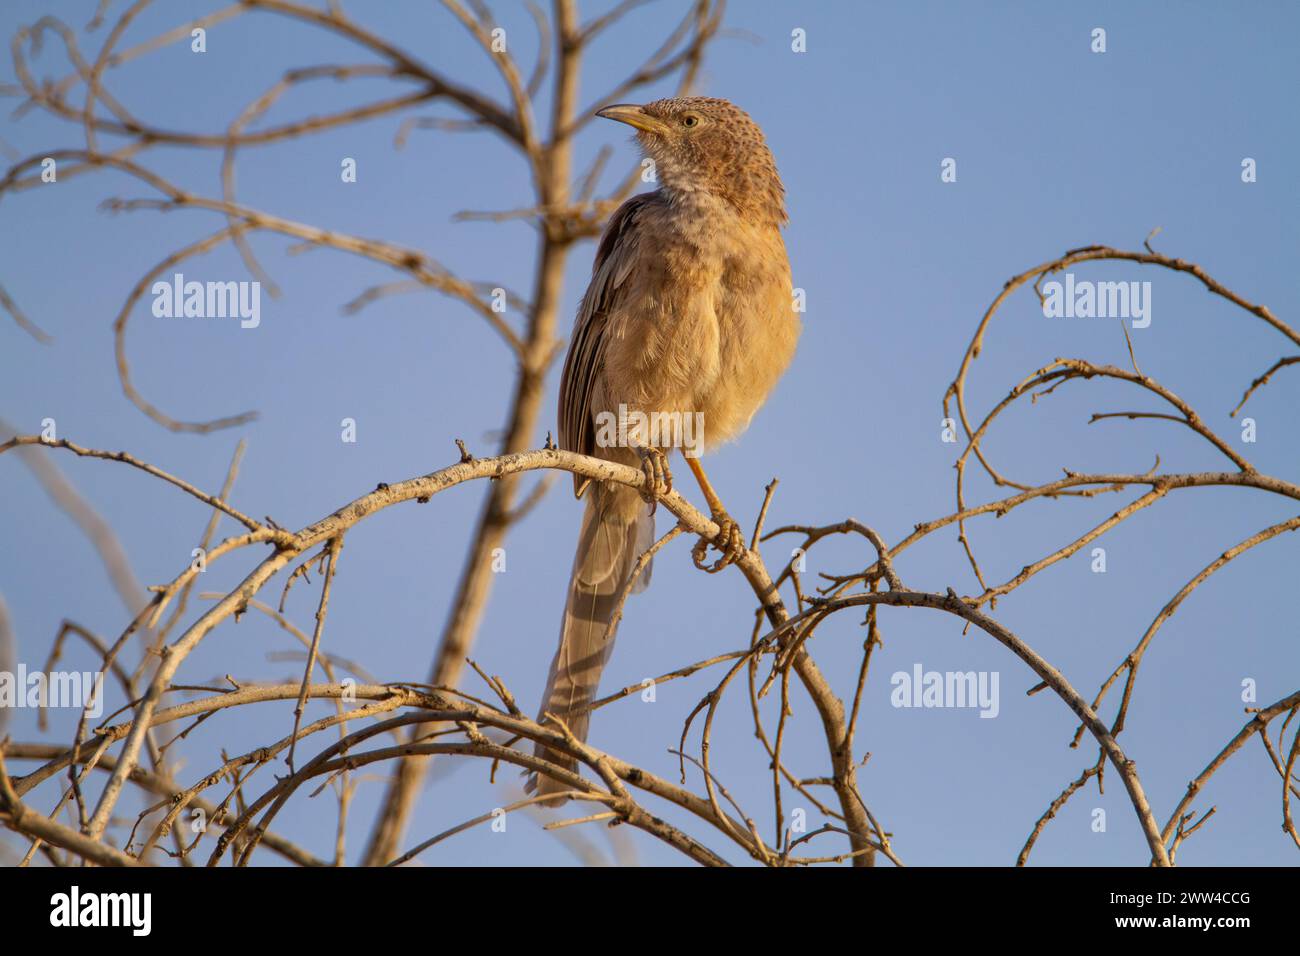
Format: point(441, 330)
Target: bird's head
point(702, 144)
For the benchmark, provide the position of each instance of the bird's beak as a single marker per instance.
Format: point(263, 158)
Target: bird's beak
point(634, 116)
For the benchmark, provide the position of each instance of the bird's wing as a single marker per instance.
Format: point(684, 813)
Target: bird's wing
point(616, 258)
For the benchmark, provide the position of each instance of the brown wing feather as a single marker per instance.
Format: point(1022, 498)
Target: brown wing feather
point(616, 258)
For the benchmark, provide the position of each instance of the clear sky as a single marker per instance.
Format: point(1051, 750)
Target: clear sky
point(1056, 147)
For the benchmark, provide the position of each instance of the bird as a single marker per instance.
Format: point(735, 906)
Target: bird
point(689, 312)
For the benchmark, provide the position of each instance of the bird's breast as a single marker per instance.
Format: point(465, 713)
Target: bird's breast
point(708, 326)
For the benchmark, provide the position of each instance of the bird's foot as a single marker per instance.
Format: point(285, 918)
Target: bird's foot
point(658, 479)
point(730, 542)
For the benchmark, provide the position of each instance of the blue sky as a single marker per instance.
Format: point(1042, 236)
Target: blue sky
point(1056, 147)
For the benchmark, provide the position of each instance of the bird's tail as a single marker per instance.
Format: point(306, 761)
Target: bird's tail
point(616, 530)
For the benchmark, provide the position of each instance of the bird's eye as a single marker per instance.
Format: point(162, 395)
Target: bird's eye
point(690, 119)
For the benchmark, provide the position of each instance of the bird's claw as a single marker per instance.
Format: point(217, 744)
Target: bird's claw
point(729, 541)
point(658, 479)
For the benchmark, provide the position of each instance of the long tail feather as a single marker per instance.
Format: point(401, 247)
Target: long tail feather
point(616, 530)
